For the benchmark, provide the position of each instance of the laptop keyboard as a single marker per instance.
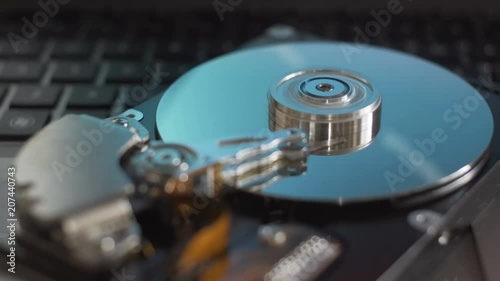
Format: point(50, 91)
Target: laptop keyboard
point(102, 65)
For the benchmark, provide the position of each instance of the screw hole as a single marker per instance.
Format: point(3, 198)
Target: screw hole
point(324, 87)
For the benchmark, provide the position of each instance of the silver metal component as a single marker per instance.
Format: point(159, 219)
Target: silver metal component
point(444, 239)
point(103, 234)
point(272, 235)
point(306, 262)
point(125, 120)
point(76, 192)
point(255, 163)
point(133, 113)
point(122, 121)
point(424, 220)
point(87, 215)
point(340, 111)
point(245, 163)
point(472, 224)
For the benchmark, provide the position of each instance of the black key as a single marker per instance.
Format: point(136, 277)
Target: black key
point(491, 31)
point(127, 72)
point(451, 29)
point(73, 49)
point(90, 96)
point(99, 113)
point(152, 30)
point(20, 71)
point(177, 52)
point(440, 52)
point(486, 51)
point(485, 69)
point(7, 28)
point(24, 50)
point(217, 48)
point(58, 30)
point(410, 46)
point(455, 67)
point(124, 50)
point(36, 96)
point(347, 33)
point(174, 71)
point(137, 94)
point(464, 48)
point(22, 123)
point(496, 73)
point(405, 29)
point(74, 72)
point(3, 91)
point(107, 31)
point(468, 71)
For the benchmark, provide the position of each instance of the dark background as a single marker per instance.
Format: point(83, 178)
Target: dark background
point(462, 6)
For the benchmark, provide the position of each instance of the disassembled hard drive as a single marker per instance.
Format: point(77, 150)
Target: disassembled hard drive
point(295, 161)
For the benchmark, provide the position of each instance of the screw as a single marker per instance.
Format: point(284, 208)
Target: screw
point(121, 121)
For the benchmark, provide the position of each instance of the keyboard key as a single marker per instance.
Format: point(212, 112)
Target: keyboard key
point(127, 72)
point(72, 49)
point(3, 91)
point(403, 29)
point(451, 29)
point(36, 96)
point(464, 48)
point(153, 30)
point(124, 50)
point(491, 30)
point(107, 31)
point(218, 48)
point(440, 52)
point(99, 113)
point(8, 27)
point(177, 52)
point(496, 73)
point(485, 68)
point(137, 94)
point(20, 71)
point(74, 72)
point(28, 50)
point(91, 96)
point(22, 123)
point(467, 71)
point(486, 51)
point(174, 71)
point(58, 30)
point(410, 46)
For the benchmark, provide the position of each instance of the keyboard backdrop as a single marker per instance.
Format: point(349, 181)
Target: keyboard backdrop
point(103, 64)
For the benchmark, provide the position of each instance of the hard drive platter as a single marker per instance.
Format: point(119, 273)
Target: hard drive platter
point(383, 125)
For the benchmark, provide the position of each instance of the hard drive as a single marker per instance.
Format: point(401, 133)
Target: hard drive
point(293, 161)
